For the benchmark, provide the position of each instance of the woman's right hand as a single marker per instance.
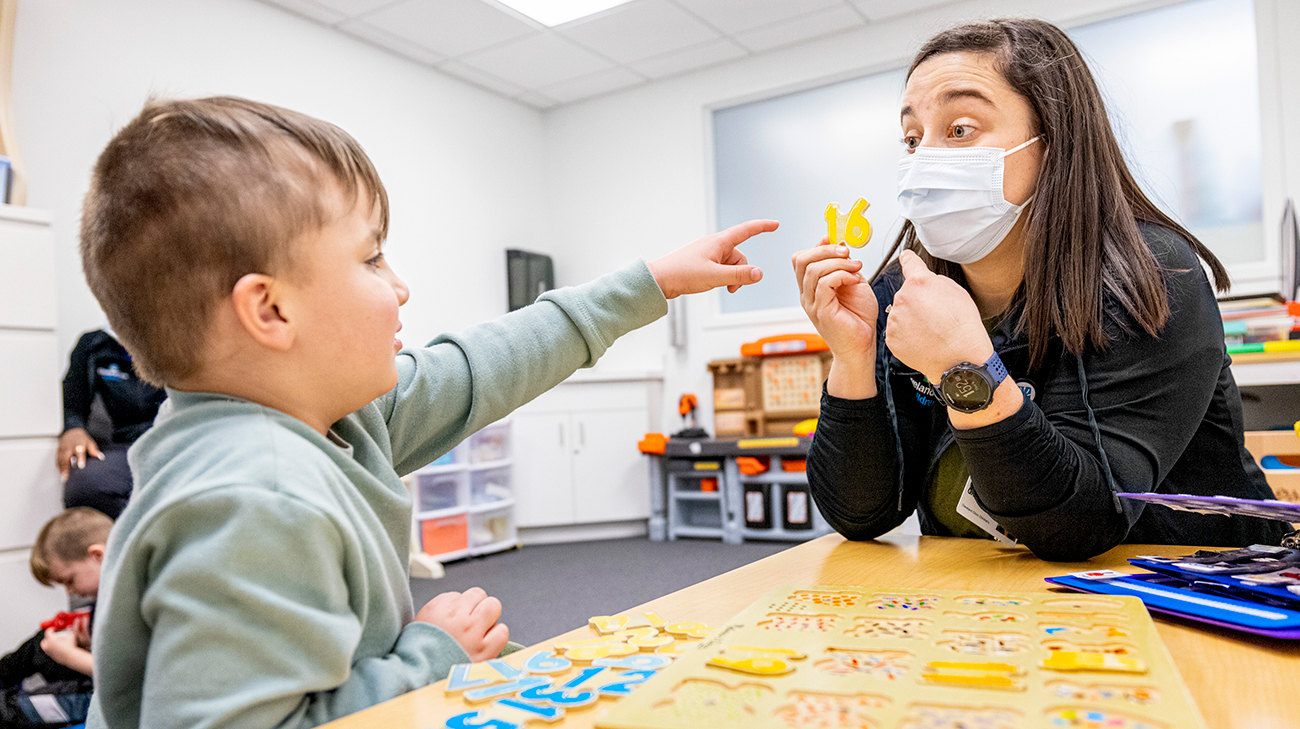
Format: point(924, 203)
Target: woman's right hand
point(839, 301)
point(74, 445)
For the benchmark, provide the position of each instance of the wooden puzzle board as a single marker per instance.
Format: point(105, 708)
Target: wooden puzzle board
point(792, 383)
point(880, 658)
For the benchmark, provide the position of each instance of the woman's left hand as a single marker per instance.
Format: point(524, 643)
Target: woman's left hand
point(933, 323)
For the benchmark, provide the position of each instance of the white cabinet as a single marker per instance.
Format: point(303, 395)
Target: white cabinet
point(30, 415)
point(575, 454)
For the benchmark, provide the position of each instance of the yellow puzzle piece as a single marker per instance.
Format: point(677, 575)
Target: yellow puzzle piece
point(852, 229)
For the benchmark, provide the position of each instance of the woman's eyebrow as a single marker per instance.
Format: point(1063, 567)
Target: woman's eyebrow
point(950, 96)
point(953, 94)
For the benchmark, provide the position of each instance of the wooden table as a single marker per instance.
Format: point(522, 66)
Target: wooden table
point(1237, 680)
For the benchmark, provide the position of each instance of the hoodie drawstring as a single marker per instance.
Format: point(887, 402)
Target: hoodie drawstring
point(1096, 433)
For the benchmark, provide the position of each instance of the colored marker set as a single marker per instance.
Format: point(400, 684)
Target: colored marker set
point(1255, 590)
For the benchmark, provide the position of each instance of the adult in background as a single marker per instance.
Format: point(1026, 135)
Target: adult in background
point(1047, 333)
point(95, 472)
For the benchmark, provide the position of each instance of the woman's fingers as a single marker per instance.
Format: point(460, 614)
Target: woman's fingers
point(803, 259)
point(816, 270)
point(826, 288)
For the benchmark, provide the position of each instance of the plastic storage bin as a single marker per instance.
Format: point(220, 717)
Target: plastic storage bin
point(489, 485)
point(491, 527)
point(452, 457)
point(797, 514)
point(444, 535)
point(436, 491)
point(490, 444)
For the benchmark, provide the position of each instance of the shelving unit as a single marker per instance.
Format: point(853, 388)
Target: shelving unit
point(464, 504)
point(682, 508)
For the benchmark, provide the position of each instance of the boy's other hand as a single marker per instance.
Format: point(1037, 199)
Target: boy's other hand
point(710, 262)
point(74, 445)
point(61, 645)
point(470, 618)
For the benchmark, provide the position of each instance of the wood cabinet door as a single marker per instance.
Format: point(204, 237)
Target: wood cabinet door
point(543, 468)
point(611, 479)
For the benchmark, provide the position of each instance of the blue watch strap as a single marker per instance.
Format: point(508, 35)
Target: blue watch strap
point(996, 369)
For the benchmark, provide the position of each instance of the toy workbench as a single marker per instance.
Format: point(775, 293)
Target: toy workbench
point(734, 490)
point(880, 658)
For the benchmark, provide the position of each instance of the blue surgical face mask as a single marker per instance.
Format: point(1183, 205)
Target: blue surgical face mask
point(953, 196)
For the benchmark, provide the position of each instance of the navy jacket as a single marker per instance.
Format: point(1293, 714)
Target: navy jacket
point(100, 365)
point(1146, 414)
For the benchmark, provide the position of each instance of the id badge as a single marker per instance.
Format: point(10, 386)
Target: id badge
point(968, 507)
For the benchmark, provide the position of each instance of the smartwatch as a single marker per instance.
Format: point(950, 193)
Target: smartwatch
point(968, 388)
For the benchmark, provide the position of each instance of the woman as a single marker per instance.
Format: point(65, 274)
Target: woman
point(1046, 331)
point(96, 473)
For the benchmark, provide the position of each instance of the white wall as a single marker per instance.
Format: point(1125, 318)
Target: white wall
point(630, 172)
point(463, 167)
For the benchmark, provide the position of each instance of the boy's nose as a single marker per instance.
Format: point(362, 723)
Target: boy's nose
point(399, 287)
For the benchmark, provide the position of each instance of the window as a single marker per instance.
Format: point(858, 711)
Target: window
point(1182, 89)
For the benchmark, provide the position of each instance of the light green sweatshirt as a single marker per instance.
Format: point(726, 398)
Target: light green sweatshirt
point(258, 576)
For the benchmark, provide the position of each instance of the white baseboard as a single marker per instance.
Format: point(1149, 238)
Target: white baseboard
point(583, 532)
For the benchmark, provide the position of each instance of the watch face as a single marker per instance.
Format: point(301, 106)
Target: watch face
point(966, 390)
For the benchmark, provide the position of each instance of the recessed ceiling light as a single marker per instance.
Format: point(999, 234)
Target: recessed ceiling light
point(557, 12)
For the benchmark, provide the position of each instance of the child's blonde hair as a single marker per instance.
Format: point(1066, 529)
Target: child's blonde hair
point(192, 195)
point(67, 537)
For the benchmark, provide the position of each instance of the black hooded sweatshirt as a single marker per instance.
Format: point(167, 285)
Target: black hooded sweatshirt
point(1145, 414)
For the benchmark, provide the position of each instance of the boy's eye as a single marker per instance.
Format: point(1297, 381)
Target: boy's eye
point(375, 261)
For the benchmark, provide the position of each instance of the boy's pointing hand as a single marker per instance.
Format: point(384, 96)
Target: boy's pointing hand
point(710, 262)
point(471, 618)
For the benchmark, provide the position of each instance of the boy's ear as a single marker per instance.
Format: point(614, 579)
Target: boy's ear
point(95, 552)
point(255, 300)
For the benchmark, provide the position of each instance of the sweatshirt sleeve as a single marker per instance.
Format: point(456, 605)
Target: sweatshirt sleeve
point(856, 487)
point(1046, 475)
point(76, 386)
point(268, 638)
point(462, 382)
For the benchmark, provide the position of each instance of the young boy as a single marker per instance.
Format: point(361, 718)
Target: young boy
point(259, 575)
point(46, 681)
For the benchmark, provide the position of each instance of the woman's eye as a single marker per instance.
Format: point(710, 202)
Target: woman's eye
point(960, 131)
point(911, 142)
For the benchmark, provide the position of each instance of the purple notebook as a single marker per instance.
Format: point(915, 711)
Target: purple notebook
point(1263, 508)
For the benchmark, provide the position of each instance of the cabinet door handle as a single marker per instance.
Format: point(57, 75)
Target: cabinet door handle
point(560, 427)
point(582, 434)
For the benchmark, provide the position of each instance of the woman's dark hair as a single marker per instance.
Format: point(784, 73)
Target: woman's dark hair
point(1082, 241)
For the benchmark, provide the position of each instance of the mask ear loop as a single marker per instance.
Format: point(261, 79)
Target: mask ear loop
point(1021, 146)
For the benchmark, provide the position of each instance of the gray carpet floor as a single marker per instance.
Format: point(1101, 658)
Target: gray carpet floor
point(546, 590)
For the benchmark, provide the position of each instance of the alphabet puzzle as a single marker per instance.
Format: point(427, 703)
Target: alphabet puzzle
point(891, 658)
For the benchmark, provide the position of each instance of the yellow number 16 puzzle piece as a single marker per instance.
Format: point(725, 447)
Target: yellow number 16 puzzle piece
point(878, 658)
point(852, 228)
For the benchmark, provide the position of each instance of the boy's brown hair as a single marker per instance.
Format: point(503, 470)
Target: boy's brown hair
point(192, 195)
point(66, 538)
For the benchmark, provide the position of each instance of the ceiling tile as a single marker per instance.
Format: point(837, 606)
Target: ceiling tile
point(735, 16)
point(353, 8)
point(384, 39)
point(639, 30)
point(877, 10)
point(601, 82)
point(309, 10)
point(479, 78)
point(705, 54)
point(536, 100)
point(450, 27)
point(537, 61)
point(813, 25)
